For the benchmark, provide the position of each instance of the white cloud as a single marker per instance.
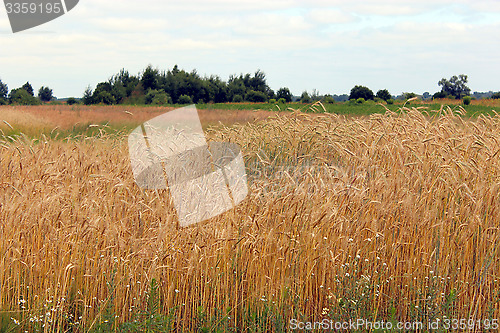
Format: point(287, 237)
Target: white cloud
point(330, 16)
point(128, 24)
point(273, 24)
point(324, 44)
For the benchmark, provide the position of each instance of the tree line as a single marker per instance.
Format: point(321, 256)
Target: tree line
point(177, 86)
point(454, 88)
point(24, 95)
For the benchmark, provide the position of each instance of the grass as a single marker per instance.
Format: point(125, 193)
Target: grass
point(388, 217)
point(367, 108)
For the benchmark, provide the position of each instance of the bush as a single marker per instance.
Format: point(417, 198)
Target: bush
point(361, 92)
point(185, 99)
point(390, 101)
point(305, 98)
point(237, 99)
point(72, 101)
point(496, 95)
point(409, 95)
point(105, 98)
point(439, 95)
point(467, 100)
point(45, 94)
point(4, 91)
point(22, 97)
point(328, 99)
point(159, 97)
point(285, 94)
point(256, 96)
point(282, 101)
point(360, 100)
point(272, 101)
point(162, 98)
point(384, 94)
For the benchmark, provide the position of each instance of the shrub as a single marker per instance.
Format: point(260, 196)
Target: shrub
point(328, 99)
point(237, 99)
point(256, 96)
point(105, 98)
point(361, 92)
point(467, 100)
point(162, 98)
point(22, 97)
point(272, 101)
point(4, 90)
point(284, 93)
point(282, 101)
point(185, 99)
point(360, 100)
point(390, 101)
point(72, 101)
point(384, 94)
point(159, 97)
point(439, 95)
point(409, 95)
point(305, 98)
point(496, 95)
point(45, 94)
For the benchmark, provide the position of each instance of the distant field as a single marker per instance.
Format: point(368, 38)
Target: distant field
point(65, 120)
point(391, 217)
point(367, 108)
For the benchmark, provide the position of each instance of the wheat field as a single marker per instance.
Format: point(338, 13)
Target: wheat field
point(394, 216)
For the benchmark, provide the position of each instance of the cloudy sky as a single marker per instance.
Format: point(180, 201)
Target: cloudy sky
point(404, 46)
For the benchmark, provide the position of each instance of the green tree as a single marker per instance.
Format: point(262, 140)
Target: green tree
point(439, 95)
point(88, 96)
point(103, 93)
point(384, 94)
point(150, 78)
point(162, 98)
point(104, 97)
point(496, 95)
point(256, 96)
point(328, 99)
point(22, 97)
point(361, 92)
point(409, 95)
point(27, 86)
point(185, 99)
point(45, 94)
point(285, 94)
point(158, 97)
point(456, 86)
point(258, 82)
point(4, 92)
point(217, 90)
point(72, 101)
point(305, 98)
point(235, 88)
point(119, 92)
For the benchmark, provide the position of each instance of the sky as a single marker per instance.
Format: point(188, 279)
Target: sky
point(330, 46)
